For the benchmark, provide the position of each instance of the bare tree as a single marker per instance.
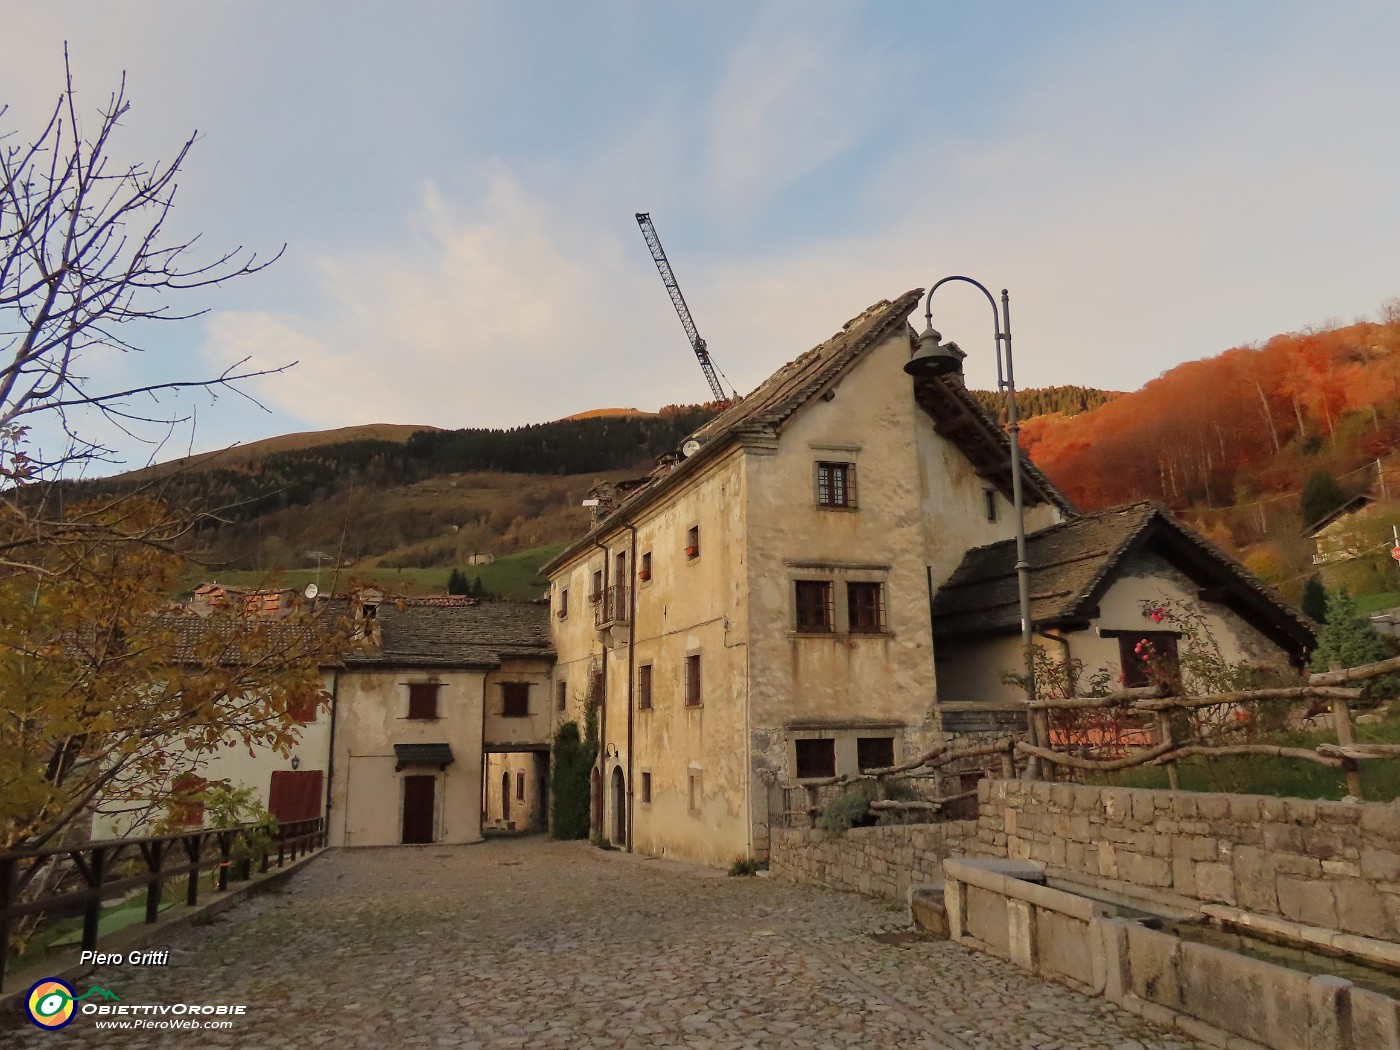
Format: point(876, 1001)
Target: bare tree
point(85, 260)
point(107, 693)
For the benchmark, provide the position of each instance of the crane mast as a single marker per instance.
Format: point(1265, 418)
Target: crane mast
point(663, 267)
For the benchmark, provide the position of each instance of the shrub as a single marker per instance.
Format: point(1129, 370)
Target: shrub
point(851, 808)
point(743, 866)
point(573, 759)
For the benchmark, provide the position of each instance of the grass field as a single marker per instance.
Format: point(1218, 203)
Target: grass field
point(1370, 603)
point(1282, 777)
point(515, 576)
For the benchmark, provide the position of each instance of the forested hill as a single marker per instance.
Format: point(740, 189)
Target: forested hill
point(1046, 400)
point(1249, 422)
point(298, 477)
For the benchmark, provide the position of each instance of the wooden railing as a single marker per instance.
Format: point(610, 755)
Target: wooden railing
point(803, 804)
point(78, 878)
point(1154, 739)
point(1155, 711)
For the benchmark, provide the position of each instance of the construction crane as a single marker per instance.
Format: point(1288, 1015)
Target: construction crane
point(663, 267)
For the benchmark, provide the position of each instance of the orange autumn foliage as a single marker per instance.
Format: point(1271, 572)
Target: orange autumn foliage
point(1254, 420)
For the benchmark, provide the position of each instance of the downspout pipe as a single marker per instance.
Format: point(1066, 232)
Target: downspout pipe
point(601, 760)
point(631, 677)
point(330, 757)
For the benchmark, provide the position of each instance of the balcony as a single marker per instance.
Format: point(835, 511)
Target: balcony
point(610, 607)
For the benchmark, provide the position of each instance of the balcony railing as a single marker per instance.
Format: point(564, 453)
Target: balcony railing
point(611, 607)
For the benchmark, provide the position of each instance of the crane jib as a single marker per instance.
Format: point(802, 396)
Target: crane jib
point(663, 267)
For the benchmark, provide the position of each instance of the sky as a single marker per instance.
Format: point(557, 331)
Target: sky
point(455, 184)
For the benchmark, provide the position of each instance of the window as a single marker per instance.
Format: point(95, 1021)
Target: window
point(692, 680)
point(865, 608)
point(302, 707)
point(520, 785)
point(644, 687)
point(620, 564)
point(814, 605)
point(695, 791)
point(836, 485)
point(646, 787)
point(815, 758)
point(645, 573)
point(563, 611)
point(692, 542)
point(422, 699)
point(989, 500)
point(562, 689)
point(517, 699)
point(187, 802)
point(596, 595)
point(874, 752)
point(1137, 651)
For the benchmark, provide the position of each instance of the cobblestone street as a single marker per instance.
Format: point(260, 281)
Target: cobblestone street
point(533, 943)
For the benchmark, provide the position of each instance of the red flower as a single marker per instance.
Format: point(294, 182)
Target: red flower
point(1157, 615)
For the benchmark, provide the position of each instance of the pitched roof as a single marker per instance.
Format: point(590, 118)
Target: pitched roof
point(767, 410)
point(1358, 502)
point(960, 417)
point(763, 414)
point(431, 633)
point(1074, 562)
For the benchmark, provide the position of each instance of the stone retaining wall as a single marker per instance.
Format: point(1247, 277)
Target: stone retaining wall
point(881, 861)
point(1329, 864)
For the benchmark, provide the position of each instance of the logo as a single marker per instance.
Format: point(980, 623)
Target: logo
point(52, 1004)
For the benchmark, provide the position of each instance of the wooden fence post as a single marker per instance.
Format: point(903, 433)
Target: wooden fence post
point(1164, 736)
point(1341, 722)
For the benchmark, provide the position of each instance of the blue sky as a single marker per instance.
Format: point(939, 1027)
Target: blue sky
point(456, 185)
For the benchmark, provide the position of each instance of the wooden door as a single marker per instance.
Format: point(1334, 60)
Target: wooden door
point(295, 794)
point(418, 798)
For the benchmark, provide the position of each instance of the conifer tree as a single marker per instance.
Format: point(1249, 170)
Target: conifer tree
point(1347, 639)
point(1314, 601)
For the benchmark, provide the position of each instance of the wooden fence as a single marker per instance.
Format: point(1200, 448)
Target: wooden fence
point(79, 878)
point(1157, 737)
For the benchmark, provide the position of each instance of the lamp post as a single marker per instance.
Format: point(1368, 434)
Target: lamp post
point(936, 358)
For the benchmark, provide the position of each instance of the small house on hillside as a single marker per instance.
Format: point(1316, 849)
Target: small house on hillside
point(1095, 580)
point(1347, 533)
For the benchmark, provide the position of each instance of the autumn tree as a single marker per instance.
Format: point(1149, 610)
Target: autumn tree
point(111, 696)
point(106, 697)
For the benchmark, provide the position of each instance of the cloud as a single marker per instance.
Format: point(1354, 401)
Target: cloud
point(494, 313)
point(796, 93)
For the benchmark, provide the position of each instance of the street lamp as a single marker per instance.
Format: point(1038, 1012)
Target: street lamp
point(937, 358)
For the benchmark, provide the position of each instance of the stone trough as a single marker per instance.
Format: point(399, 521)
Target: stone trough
point(1220, 974)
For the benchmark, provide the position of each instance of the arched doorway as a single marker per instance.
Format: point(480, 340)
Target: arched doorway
point(619, 810)
point(505, 795)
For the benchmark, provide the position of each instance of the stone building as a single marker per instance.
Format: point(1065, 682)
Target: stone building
point(759, 611)
point(440, 684)
point(1098, 585)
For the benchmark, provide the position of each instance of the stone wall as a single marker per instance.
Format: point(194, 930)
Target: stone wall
point(881, 861)
point(1329, 864)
